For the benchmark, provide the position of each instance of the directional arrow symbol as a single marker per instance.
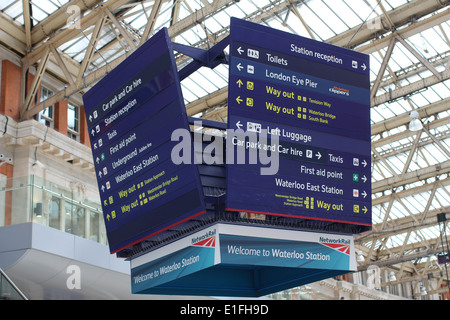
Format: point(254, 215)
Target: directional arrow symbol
point(103, 188)
point(239, 66)
point(90, 118)
point(92, 132)
point(364, 209)
point(318, 155)
point(239, 100)
point(239, 83)
point(364, 66)
point(97, 160)
point(364, 194)
point(239, 50)
point(364, 163)
point(239, 124)
point(364, 179)
point(100, 174)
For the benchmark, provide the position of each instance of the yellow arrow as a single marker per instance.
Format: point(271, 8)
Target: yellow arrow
point(364, 209)
point(239, 83)
point(239, 100)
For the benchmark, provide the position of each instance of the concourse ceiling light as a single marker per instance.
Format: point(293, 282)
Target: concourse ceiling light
point(392, 276)
point(415, 124)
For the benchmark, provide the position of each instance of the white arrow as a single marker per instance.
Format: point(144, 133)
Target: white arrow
point(90, 118)
point(92, 132)
point(103, 188)
point(239, 124)
point(364, 163)
point(364, 66)
point(100, 174)
point(239, 66)
point(97, 160)
point(318, 155)
point(364, 194)
point(364, 178)
point(239, 50)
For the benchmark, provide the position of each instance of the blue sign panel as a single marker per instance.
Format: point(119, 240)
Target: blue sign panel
point(443, 258)
point(243, 261)
point(314, 98)
point(171, 267)
point(131, 114)
point(245, 250)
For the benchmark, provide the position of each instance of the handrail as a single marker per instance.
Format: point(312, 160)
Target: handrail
point(2, 273)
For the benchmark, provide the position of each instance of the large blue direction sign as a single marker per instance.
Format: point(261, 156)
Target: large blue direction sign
point(131, 114)
point(315, 99)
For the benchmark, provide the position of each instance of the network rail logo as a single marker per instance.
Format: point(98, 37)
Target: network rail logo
point(206, 240)
point(341, 245)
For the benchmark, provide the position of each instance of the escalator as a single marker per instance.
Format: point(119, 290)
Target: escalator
point(8, 290)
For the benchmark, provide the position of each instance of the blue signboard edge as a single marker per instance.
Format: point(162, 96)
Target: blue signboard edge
point(163, 33)
point(116, 71)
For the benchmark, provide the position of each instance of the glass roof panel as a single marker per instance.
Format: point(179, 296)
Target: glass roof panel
point(316, 25)
point(203, 81)
point(165, 16)
point(333, 21)
point(375, 116)
point(188, 95)
point(7, 3)
point(341, 9)
point(14, 9)
point(45, 5)
point(41, 9)
point(213, 25)
point(442, 197)
point(247, 7)
point(234, 11)
point(183, 11)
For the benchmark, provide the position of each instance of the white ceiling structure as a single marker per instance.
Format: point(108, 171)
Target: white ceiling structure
point(76, 43)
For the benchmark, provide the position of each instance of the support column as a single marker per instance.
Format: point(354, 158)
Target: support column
point(84, 133)
point(10, 90)
point(60, 116)
point(7, 170)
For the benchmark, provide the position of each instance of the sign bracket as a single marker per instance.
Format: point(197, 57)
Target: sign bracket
point(202, 58)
